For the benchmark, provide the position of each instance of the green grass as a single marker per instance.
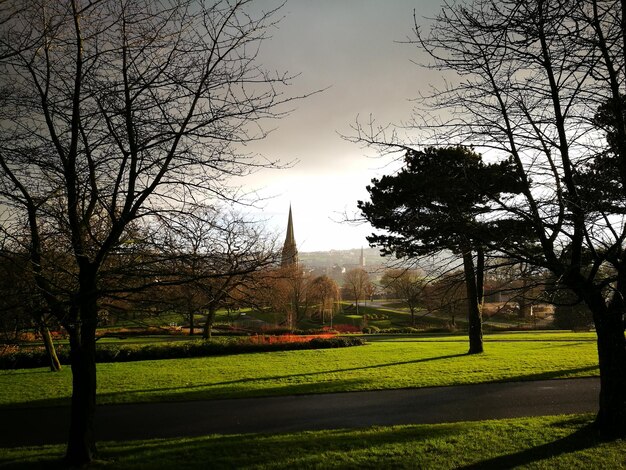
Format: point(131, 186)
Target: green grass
point(386, 363)
point(396, 317)
point(556, 442)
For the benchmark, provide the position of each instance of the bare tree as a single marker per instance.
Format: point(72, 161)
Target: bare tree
point(407, 285)
point(214, 254)
point(447, 294)
point(113, 112)
point(356, 282)
point(21, 305)
point(285, 290)
point(325, 293)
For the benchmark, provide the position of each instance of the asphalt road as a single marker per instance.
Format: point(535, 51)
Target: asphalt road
point(36, 426)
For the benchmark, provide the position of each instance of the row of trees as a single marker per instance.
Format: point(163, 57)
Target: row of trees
point(538, 86)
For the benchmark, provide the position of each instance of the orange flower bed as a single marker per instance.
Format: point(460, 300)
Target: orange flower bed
point(274, 339)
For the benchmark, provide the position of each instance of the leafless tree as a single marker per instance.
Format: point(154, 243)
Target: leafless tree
point(113, 112)
point(356, 282)
point(212, 254)
point(285, 291)
point(325, 293)
point(407, 285)
point(446, 295)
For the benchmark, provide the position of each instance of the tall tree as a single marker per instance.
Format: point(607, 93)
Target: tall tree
point(446, 295)
point(438, 201)
point(542, 83)
point(112, 112)
point(21, 304)
point(356, 282)
point(325, 293)
point(407, 285)
point(213, 253)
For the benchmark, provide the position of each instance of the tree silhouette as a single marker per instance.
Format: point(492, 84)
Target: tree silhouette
point(114, 113)
point(439, 201)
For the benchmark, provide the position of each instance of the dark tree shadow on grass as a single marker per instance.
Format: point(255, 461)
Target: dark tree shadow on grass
point(286, 376)
point(239, 450)
point(583, 438)
point(553, 374)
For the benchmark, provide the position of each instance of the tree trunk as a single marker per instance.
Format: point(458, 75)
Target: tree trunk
point(524, 306)
point(475, 325)
point(81, 446)
point(480, 276)
point(55, 364)
point(611, 418)
point(208, 325)
point(191, 324)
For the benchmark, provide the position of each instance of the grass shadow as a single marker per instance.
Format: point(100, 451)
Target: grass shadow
point(237, 450)
point(550, 375)
point(189, 388)
point(583, 438)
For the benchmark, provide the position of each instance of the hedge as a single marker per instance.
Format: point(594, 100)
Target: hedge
point(23, 359)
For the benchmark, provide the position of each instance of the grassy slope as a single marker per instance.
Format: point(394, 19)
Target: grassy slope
point(558, 442)
point(385, 363)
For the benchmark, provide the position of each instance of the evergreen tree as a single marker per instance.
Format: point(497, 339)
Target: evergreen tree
point(440, 200)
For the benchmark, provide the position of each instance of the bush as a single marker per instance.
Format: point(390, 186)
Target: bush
point(295, 331)
point(338, 342)
point(31, 357)
point(128, 332)
point(37, 357)
point(371, 330)
point(573, 317)
point(377, 316)
point(400, 331)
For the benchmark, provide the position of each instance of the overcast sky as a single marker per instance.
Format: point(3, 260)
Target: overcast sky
point(350, 47)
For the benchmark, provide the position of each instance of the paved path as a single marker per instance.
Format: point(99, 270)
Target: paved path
point(33, 426)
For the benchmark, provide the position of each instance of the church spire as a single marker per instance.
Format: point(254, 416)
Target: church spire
point(290, 251)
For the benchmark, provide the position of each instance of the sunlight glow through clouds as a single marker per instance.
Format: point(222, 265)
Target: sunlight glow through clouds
point(349, 48)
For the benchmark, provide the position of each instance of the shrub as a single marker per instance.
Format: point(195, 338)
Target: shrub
point(31, 357)
point(296, 331)
point(337, 342)
point(137, 331)
point(400, 331)
point(37, 357)
point(371, 329)
point(377, 316)
point(573, 317)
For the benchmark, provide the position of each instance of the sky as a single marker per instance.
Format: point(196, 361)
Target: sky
point(351, 49)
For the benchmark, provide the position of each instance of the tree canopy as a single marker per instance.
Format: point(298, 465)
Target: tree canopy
point(443, 199)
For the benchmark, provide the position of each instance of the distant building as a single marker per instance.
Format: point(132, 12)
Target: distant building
point(290, 251)
point(362, 259)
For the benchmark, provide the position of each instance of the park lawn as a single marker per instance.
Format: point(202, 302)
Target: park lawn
point(553, 442)
point(387, 362)
point(397, 317)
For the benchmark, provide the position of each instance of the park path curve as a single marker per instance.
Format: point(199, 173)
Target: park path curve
point(32, 426)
